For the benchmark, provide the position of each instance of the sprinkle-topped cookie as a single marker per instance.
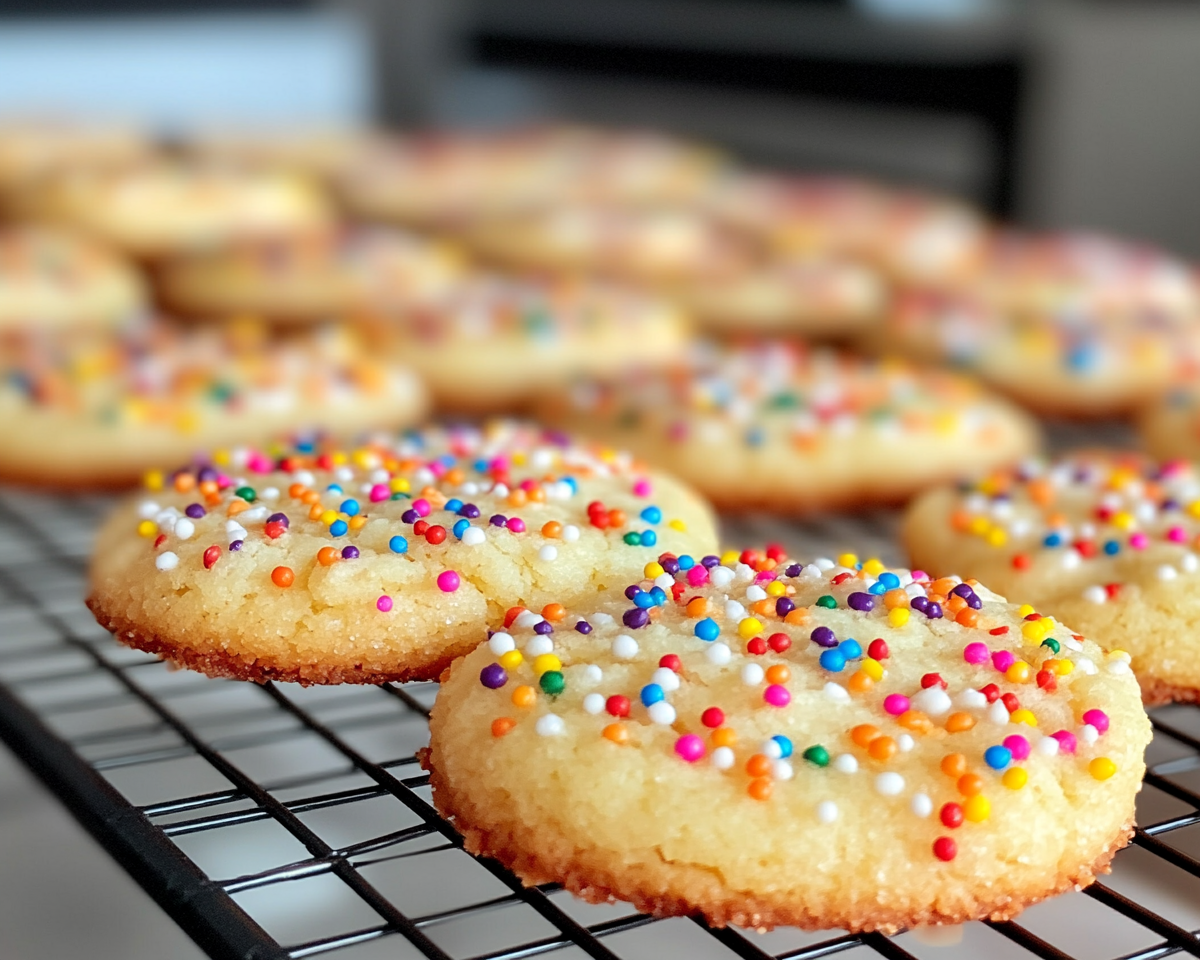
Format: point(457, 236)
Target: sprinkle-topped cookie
point(1170, 427)
point(1106, 540)
point(87, 410)
point(379, 562)
point(778, 426)
point(764, 741)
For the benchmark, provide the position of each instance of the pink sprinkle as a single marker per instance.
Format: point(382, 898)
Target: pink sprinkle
point(1139, 541)
point(777, 696)
point(259, 463)
point(1018, 745)
point(697, 576)
point(1066, 741)
point(690, 747)
point(895, 703)
point(448, 581)
point(975, 653)
point(384, 604)
point(1098, 719)
point(380, 492)
point(437, 468)
point(641, 488)
point(498, 463)
point(1177, 535)
point(1002, 660)
point(421, 505)
point(919, 575)
point(516, 525)
point(528, 484)
point(677, 431)
point(763, 575)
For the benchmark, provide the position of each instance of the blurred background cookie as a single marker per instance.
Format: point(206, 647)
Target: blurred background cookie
point(36, 147)
point(317, 152)
point(1169, 428)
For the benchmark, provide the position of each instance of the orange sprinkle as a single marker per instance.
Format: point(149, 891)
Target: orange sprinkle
point(959, 722)
point(799, 615)
point(236, 506)
point(915, 720)
point(537, 495)
point(758, 765)
point(552, 529)
point(697, 607)
point(616, 518)
point(724, 737)
point(327, 556)
point(616, 732)
point(861, 682)
point(955, 604)
point(954, 765)
point(763, 608)
point(454, 476)
point(357, 523)
point(970, 784)
point(778, 674)
point(760, 788)
point(208, 487)
point(297, 490)
point(554, 611)
point(310, 497)
point(283, 576)
point(895, 598)
point(967, 617)
point(315, 511)
point(184, 482)
point(517, 498)
point(501, 726)
point(511, 614)
point(942, 585)
point(863, 734)
point(524, 696)
point(882, 749)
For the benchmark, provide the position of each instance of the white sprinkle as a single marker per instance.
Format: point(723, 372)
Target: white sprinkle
point(548, 552)
point(570, 533)
point(722, 758)
point(551, 725)
point(662, 712)
point(720, 577)
point(1089, 734)
point(932, 700)
point(1047, 746)
point(184, 528)
point(752, 674)
point(889, 784)
point(905, 743)
point(836, 693)
point(624, 647)
point(1095, 594)
point(914, 590)
point(755, 592)
point(593, 674)
point(1116, 667)
point(166, 561)
point(922, 806)
point(666, 678)
point(473, 536)
point(601, 619)
point(972, 699)
point(824, 563)
point(304, 477)
point(343, 474)
point(166, 519)
point(1190, 562)
point(1071, 559)
point(1167, 572)
point(744, 572)
point(500, 490)
point(270, 493)
point(998, 713)
point(593, 703)
point(718, 654)
point(1072, 644)
point(254, 513)
point(827, 811)
point(810, 570)
point(782, 770)
point(846, 763)
point(664, 581)
point(501, 643)
point(734, 610)
point(526, 619)
point(148, 509)
point(772, 749)
point(537, 645)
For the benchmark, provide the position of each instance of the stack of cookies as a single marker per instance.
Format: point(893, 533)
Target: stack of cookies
point(621, 332)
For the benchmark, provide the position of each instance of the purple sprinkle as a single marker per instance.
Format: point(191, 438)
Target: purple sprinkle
point(469, 510)
point(632, 591)
point(933, 611)
point(236, 546)
point(670, 565)
point(349, 553)
point(493, 676)
point(498, 520)
point(583, 627)
point(974, 602)
point(194, 510)
point(920, 604)
point(784, 606)
point(279, 518)
point(206, 474)
point(863, 602)
point(637, 617)
point(1169, 505)
point(823, 636)
point(710, 561)
point(962, 590)
point(793, 570)
point(409, 516)
point(543, 627)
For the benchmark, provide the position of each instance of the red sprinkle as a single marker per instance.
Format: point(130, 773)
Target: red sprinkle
point(617, 705)
point(671, 661)
point(952, 815)
point(998, 631)
point(945, 849)
point(779, 642)
point(878, 649)
point(435, 534)
point(1011, 702)
point(932, 680)
point(1021, 562)
point(841, 578)
point(160, 540)
point(756, 646)
point(991, 691)
point(713, 717)
point(420, 527)
point(211, 556)
point(275, 529)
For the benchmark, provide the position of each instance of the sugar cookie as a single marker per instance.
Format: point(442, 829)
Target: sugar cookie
point(1170, 427)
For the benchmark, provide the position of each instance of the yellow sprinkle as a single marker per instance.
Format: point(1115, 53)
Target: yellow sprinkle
point(1119, 655)
point(947, 422)
point(1102, 768)
point(339, 458)
point(519, 459)
point(653, 570)
point(677, 525)
point(1015, 778)
point(153, 479)
point(1019, 672)
point(979, 526)
point(222, 458)
point(1024, 716)
point(873, 567)
point(1035, 631)
point(545, 663)
point(977, 808)
point(873, 668)
point(898, 616)
point(187, 422)
point(328, 516)
point(1062, 667)
point(511, 660)
point(1194, 508)
point(1025, 610)
point(400, 485)
point(729, 557)
point(847, 560)
point(776, 589)
point(750, 627)
point(1122, 519)
point(997, 537)
point(147, 528)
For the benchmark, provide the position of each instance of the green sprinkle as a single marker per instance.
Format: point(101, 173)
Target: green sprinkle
point(246, 493)
point(818, 755)
point(827, 601)
point(1052, 644)
point(553, 683)
point(633, 538)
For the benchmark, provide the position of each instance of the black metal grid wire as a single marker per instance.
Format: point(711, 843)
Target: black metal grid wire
point(276, 821)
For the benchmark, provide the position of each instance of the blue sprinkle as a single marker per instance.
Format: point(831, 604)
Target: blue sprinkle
point(707, 629)
point(1052, 540)
point(833, 660)
point(649, 538)
point(460, 527)
point(480, 466)
point(349, 508)
point(997, 757)
point(338, 528)
point(686, 562)
point(876, 589)
point(1111, 547)
point(889, 580)
point(652, 515)
point(333, 488)
point(659, 595)
point(453, 505)
point(850, 649)
point(652, 693)
point(785, 745)
point(398, 545)
point(644, 601)
point(570, 482)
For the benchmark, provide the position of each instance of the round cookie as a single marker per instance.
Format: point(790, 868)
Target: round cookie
point(50, 278)
point(764, 743)
point(380, 563)
point(154, 211)
point(1104, 540)
point(1170, 427)
point(910, 236)
point(97, 410)
point(308, 279)
point(494, 343)
point(31, 149)
point(1068, 325)
point(314, 152)
point(780, 427)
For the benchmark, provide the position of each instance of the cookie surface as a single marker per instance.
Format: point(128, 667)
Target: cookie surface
point(778, 427)
point(1169, 428)
point(311, 279)
point(32, 149)
point(98, 410)
point(397, 554)
point(1067, 325)
point(1103, 540)
point(162, 209)
point(50, 278)
point(818, 746)
point(311, 151)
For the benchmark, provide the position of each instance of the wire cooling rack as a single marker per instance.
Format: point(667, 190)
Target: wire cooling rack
point(276, 821)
